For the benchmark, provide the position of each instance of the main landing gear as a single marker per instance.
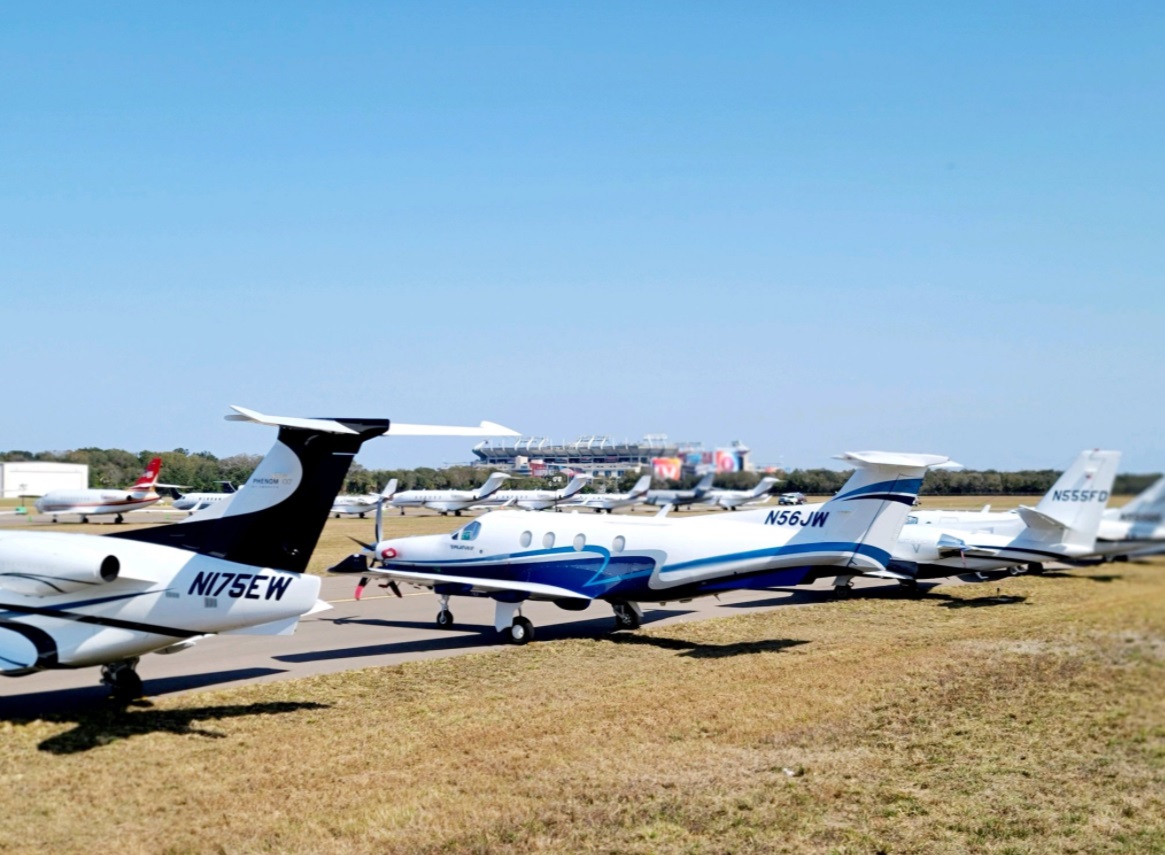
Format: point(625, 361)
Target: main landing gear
point(122, 680)
point(627, 615)
point(508, 620)
point(843, 586)
point(119, 519)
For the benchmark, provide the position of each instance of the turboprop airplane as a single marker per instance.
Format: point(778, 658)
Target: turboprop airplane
point(78, 600)
point(1135, 529)
point(535, 500)
point(733, 499)
point(93, 502)
point(197, 501)
point(361, 505)
point(608, 502)
point(449, 501)
point(574, 559)
point(682, 498)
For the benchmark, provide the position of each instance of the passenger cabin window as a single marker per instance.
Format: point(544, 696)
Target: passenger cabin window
point(548, 539)
point(525, 539)
point(618, 543)
point(580, 540)
point(912, 520)
point(468, 532)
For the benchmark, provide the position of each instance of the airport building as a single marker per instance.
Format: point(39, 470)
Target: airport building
point(602, 457)
point(37, 477)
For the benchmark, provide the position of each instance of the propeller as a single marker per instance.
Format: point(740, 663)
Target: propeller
point(371, 549)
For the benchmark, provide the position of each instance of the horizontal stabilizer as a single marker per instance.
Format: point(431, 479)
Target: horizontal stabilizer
point(891, 458)
point(483, 429)
point(1039, 520)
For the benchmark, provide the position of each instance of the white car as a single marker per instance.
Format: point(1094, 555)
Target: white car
point(792, 499)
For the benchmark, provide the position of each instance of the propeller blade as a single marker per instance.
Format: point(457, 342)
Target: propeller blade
point(371, 547)
point(395, 588)
point(380, 518)
point(360, 587)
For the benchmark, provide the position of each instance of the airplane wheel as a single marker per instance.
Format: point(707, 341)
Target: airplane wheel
point(124, 684)
point(445, 618)
point(362, 516)
point(85, 520)
point(337, 516)
point(457, 513)
point(842, 591)
point(1035, 567)
point(118, 520)
point(625, 618)
point(522, 631)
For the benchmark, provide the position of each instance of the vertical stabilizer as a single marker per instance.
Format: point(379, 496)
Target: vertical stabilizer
point(146, 481)
point(866, 516)
point(277, 519)
point(1072, 510)
point(491, 485)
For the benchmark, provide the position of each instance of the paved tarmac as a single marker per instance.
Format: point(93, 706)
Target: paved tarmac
point(378, 630)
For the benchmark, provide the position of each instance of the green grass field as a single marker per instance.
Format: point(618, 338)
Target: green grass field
point(1028, 719)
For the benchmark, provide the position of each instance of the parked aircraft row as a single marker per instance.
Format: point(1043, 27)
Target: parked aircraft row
point(866, 529)
point(237, 566)
point(490, 495)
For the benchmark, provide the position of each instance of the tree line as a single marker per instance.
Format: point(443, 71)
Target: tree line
point(202, 472)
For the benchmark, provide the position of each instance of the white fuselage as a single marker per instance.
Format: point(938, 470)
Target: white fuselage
point(95, 502)
point(197, 501)
point(354, 505)
point(605, 501)
point(161, 597)
point(437, 500)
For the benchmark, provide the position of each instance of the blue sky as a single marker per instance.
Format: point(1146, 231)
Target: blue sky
point(811, 227)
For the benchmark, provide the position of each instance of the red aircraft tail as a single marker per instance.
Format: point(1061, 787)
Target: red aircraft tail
point(146, 482)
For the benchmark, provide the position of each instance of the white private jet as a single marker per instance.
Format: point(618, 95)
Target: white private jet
point(78, 600)
point(680, 498)
point(1135, 529)
point(535, 500)
point(733, 499)
point(94, 502)
point(197, 501)
point(361, 505)
point(574, 559)
point(449, 501)
point(609, 502)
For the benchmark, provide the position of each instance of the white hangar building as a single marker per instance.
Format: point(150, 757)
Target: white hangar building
point(37, 477)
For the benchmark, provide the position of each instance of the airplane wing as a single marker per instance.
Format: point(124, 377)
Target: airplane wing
point(478, 585)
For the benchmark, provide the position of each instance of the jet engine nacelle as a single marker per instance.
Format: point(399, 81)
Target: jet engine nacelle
point(42, 571)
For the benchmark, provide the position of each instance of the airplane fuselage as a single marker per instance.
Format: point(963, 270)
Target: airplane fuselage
point(161, 597)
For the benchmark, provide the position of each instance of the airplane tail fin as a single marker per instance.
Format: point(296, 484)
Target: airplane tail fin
point(576, 484)
point(1146, 507)
point(1070, 513)
point(766, 484)
point(276, 521)
point(860, 525)
point(641, 487)
point(491, 486)
point(146, 482)
point(389, 490)
point(705, 483)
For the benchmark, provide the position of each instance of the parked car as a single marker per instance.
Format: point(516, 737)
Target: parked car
point(792, 499)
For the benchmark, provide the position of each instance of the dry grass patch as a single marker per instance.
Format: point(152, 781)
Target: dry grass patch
point(1031, 722)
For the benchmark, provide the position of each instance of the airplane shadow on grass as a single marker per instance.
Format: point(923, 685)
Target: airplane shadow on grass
point(100, 721)
point(695, 650)
point(461, 636)
point(1060, 574)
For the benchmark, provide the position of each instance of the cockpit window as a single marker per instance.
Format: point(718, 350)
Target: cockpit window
point(468, 532)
